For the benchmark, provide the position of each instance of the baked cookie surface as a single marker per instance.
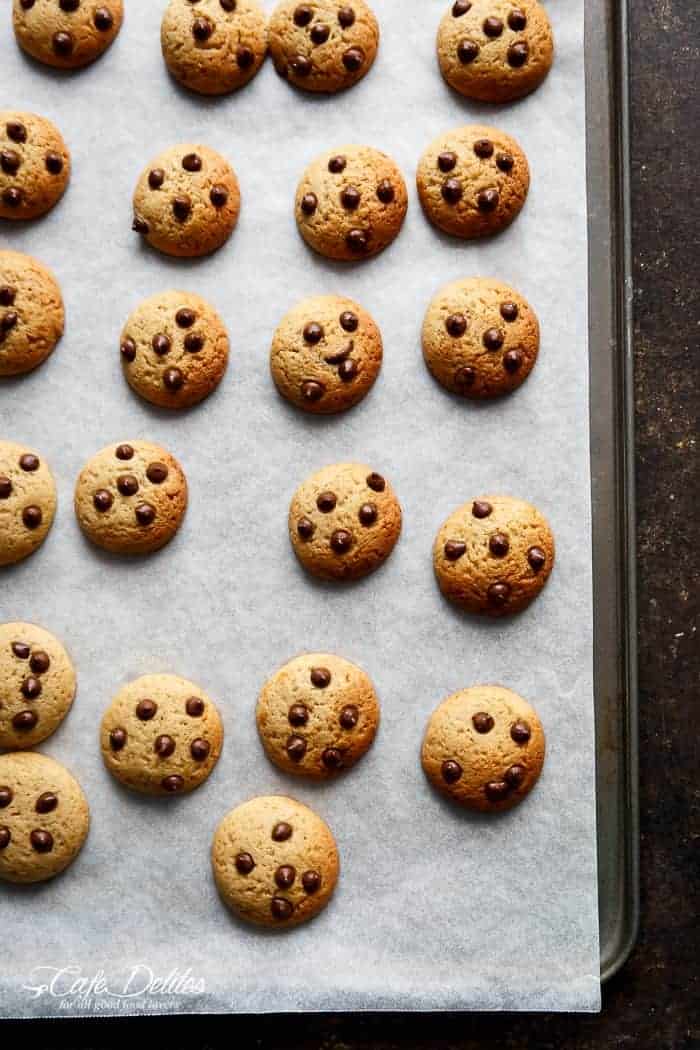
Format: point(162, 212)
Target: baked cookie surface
point(275, 862)
point(131, 498)
point(66, 34)
point(37, 684)
point(481, 338)
point(27, 501)
point(494, 556)
point(326, 354)
point(484, 748)
point(473, 181)
point(351, 203)
point(34, 165)
point(31, 313)
point(161, 735)
point(323, 45)
point(44, 817)
point(317, 715)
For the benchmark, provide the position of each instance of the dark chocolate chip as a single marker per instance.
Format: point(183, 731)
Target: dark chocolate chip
point(496, 790)
point(145, 514)
point(117, 739)
point(244, 863)
point(8, 321)
point(482, 722)
point(341, 541)
point(282, 831)
point(487, 200)
point(481, 509)
point(285, 876)
point(452, 191)
point(326, 502)
point(194, 342)
point(346, 17)
point(6, 796)
point(512, 361)
point(281, 908)
point(26, 5)
point(305, 528)
point(298, 715)
point(5, 488)
point(350, 198)
point(16, 131)
point(128, 349)
point(10, 161)
point(54, 163)
point(492, 26)
point(465, 377)
point(192, 162)
point(40, 662)
point(509, 311)
point(483, 148)
point(124, 452)
point(199, 749)
point(41, 841)
point(320, 677)
point(332, 758)
point(303, 15)
point(21, 650)
point(451, 771)
point(520, 732)
point(245, 57)
point(309, 203)
point(357, 241)
point(46, 803)
point(456, 325)
point(376, 482)
point(368, 514)
point(347, 370)
point(146, 709)
point(140, 225)
point(127, 484)
point(29, 462)
point(7, 295)
point(312, 391)
point(336, 165)
point(103, 20)
point(320, 33)
point(202, 29)
point(164, 746)
point(156, 178)
point(31, 688)
point(32, 517)
point(69, 5)
point(185, 317)
point(12, 197)
point(195, 707)
point(300, 65)
point(228, 5)
point(504, 161)
point(156, 473)
point(499, 545)
point(62, 44)
point(537, 558)
point(296, 748)
point(182, 207)
point(349, 321)
point(313, 333)
point(515, 775)
point(467, 50)
point(25, 720)
point(161, 344)
point(173, 783)
point(218, 195)
point(311, 881)
point(460, 7)
point(447, 161)
point(455, 549)
point(498, 593)
point(517, 20)
point(386, 192)
point(5, 837)
point(518, 54)
point(173, 379)
point(353, 59)
point(349, 717)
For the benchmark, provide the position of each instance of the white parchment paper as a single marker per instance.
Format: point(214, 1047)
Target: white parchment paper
point(436, 909)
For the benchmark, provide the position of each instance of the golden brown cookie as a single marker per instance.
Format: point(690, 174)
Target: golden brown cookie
point(27, 502)
point(317, 715)
point(214, 46)
point(161, 735)
point(484, 748)
point(187, 201)
point(494, 555)
point(480, 338)
point(344, 522)
point(174, 349)
point(323, 45)
point(131, 498)
point(66, 33)
point(44, 817)
point(351, 203)
point(473, 181)
point(37, 684)
point(495, 50)
point(275, 862)
point(326, 354)
point(34, 165)
point(31, 313)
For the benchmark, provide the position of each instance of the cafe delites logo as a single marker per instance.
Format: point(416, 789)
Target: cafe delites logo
point(71, 987)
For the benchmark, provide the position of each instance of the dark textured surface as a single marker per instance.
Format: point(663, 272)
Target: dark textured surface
point(653, 1003)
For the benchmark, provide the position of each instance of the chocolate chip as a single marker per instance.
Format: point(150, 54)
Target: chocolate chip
point(164, 746)
point(305, 528)
point(375, 482)
point(146, 709)
point(54, 163)
point(124, 452)
point(300, 65)
point(173, 379)
point(298, 715)
point(31, 688)
point(467, 50)
point(455, 549)
point(12, 197)
point(311, 881)
point(313, 333)
point(504, 161)
point(368, 514)
point(156, 473)
point(451, 771)
point(340, 355)
point(173, 783)
point(5, 837)
point(512, 360)
point(385, 191)
point(465, 377)
point(117, 739)
point(192, 162)
point(245, 58)
point(483, 148)
point(446, 161)
point(228, 5)
point(218, 195)
point(326, 502)
point(21, 650)
point(498, 593)
point(320, 33)
point(161, 344)
point(349, 717)
point(337, 164)
point(520, 732)
point(492, 26)
point(5, 488)
point(182, 206)
point(40, 662)
point(185, 317)
point(309, 203)
point(281, 831)
point(194, 342)
point(281, 909)
point(518, 54)
point(69, 5)
point(244, 863)
point(353, 59)
point(332, 758)
point(103, 20)
point(16, 131)
point(452, 191)
point(26, 5)
point(312, 391)
point(156, 178)
point(10, 161)
point(6, 796)
point(515, 775)
point(7, 295)
point(140, 225)
point(481, 509)
point(128, 349)
point(499, 545)
point(517, 20)
point(537, 558)
point(350, 198)
point(285, 876)
point(347, 371)
point(341, 541)
point(456, 325)
point(195, 707)
point(62, 44)
point(8, 322)
point(29, 462)
point(487, 200)
point(460, 7)
point(145, 514)
point(496, 790)
point(32, 517)
point(199, 749)
point(346, 17)
point(303, 15)
point(127, 484)
point(320, 677)
point(509, 311)
point(202, 29)
point(296, 748)
point(349, 321)
point(482, 722)
point(25, 720)
point(357, 241)
point(46, 803)
point(41, 841)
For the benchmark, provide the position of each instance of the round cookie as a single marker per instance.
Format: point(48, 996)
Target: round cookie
point(351, 203)
point(38, 684)
point(473, 181)
point(174, 349)
point(323, 45)
point(67, 34)
point(186, 201)
point(326, 354)
point(214, 46)
point(27, 502)
point(494, 555)
point(44, 817)
point(480, 338)
point(275, 862)
point(317, 715)
point(31, 313)
point(484, 748)
point(34, 165)
point(161, 735)
point(495, 50)
point(131, 498)
point(344, 522)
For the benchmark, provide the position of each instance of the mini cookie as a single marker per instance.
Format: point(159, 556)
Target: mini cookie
point(275, 862)
point(31, 313)
point(326, 354)
point(484, 748)
point(351, 203)
point(161, 735)
point(38, 684)
point(67, 33)
point(27, 502)
point(473, 181)
point(186, 202)
point(34, 165)
point(480, 338)
point(174, 349)
point(317, 715)
point(131, 498)
point(344, 522)
point(494, 555)
point(214, 46)
point(323, 45)
point(495, 50)
point(44, 817)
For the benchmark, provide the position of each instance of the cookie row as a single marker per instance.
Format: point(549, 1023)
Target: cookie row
point(491, 50)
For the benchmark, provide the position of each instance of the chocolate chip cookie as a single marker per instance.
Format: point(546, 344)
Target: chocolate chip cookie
point(131, 498)
point(494, 555)
point(161, 735)
point(31, 313)
point(66, 33)
point(214, 46)
point(34, 165)
point(351, 203)
point(480, 338)
point(275, 862)
point(484, 748)
point(38, 684)
point(344, 522)
point(323, 45)
point(326, 354)
point(174, 349)
point(186, 202)
point(44, 817)
point(27, 502)
point(473, 181)
point(495, 50)
point(317, 715)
